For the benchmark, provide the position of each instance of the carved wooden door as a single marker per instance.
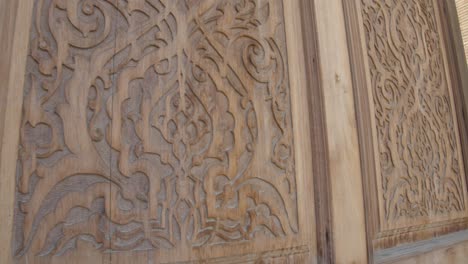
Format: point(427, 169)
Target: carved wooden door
point(417, 136)
point(163, 131)
point(231, 131)
point(412, 122)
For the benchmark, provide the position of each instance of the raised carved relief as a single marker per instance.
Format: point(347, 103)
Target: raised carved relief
point(155, 124)
point(421, 170)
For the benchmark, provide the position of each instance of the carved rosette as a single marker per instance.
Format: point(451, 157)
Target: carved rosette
point(421, 171)
point(151, 124)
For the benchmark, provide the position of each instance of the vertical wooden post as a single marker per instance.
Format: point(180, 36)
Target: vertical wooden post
point(458, 68)
point(15, 20)
point(318, 132)
point(346, 202)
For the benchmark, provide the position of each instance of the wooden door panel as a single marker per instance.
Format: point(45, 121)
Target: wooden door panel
point(422, 176)
point(412, 125)
point(163, 131)
point(218, 131)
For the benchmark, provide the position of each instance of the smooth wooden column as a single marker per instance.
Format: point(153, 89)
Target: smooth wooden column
point(347, 205)
point(15, 20)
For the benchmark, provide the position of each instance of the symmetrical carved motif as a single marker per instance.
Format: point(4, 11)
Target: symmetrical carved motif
point(155, 124)
point(421, 171)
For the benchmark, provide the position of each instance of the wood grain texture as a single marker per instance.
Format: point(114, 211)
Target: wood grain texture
point(462, 11)
point(347, 202)
point(365, 124)
point(164, 131)
point(458, 68)
point(402, 70)
point(443, 249)
point(422, 173)
point(15, 18)
point(319, 137)
point(456, 254)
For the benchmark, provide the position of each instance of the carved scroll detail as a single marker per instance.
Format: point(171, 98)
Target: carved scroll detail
point(155, 124)
point(421, 171)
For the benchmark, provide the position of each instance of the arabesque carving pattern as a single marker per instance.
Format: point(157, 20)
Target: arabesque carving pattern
point(421, 171)
point(141, 126)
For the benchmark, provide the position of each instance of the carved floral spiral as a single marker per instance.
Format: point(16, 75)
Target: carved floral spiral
point(414, 121)
point(141, 127)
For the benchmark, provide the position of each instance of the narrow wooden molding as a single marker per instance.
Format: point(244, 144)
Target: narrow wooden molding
point(462, 11)
point(347, 202)
point(303, 126)
point(7, 25)
point(419, 248)
point(318, 127)
point(14, 36)
point(389, 239)
point(365, 123)
point(457, 67)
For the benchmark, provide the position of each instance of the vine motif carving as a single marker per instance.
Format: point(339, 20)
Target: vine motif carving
point(155, 124)
point(421, 174)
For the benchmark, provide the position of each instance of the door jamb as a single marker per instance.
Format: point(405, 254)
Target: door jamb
point(15, 17)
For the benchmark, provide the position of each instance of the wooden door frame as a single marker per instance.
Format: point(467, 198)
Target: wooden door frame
point(459, 77)
point(15, 21)
point(458, 67)
point(338, 179)
point(322, 187)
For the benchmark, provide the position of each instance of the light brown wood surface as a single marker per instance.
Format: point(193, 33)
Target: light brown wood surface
point(458, 66)
point(232, 131)
point(462, 11)
point(163, 131)
point(454, 254)
point(404, 79)
point(444, 249)
point(415, 118)
point(15, 20)
point(347, 204)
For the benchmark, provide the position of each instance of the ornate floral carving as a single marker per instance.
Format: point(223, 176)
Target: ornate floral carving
point(141, 126)
point(421, 173)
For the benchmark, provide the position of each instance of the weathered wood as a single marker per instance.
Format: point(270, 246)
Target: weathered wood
point(232, 131)
point(320, 160)
point(444, 249)
point(365, 124)
point(403, 77)
point(458, 68)
point(461, 12)
point(347, 204)
point(15, 17)
point(164, 131)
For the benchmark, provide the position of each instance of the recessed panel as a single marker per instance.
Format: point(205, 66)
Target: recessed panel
point(157, 126)
point(421, 178)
